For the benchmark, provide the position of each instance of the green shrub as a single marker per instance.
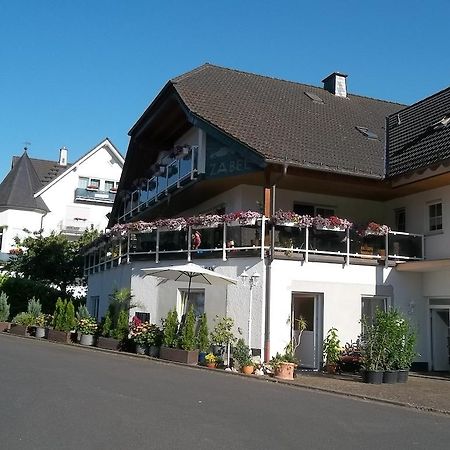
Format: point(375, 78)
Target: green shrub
point(203, 343)
point(222, 333)
point(121, 330)
point(241, 354)
point(25, 319)
point(187, 338)
point(82, 313)
point(107, 325)
point(58, 315)
point(69, 317)
point(64, 316)
point(4, 307)
point(170, 330)
point(34, 307)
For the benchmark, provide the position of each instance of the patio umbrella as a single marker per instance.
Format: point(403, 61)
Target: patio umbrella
point(190, 273)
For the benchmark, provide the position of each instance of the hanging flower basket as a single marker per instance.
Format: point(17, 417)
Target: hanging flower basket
point(172, 224)
point(375, 229)
point(205, 221)
point(332, 223)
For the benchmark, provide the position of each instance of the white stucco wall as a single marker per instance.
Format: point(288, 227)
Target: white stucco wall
point(436, 244)
point(60, 197)
point(14, 223)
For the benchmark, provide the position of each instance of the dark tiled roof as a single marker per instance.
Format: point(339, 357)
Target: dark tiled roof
point(415, 138)
point(19, 186)
point(277, 119)
point(46, 170)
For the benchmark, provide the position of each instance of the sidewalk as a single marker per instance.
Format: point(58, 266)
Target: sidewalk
point(422, 391)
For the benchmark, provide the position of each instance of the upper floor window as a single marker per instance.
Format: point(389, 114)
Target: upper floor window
point(400, 219)
point(94, 183)
point(109, 185)
point(435, 216)
point(311, 210)
point(83, 182)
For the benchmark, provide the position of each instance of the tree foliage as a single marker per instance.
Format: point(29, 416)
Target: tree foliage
point(53, 259)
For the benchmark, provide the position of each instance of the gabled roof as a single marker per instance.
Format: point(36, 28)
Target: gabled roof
point(18, 188)
point(73, 166)
point(419, 135)
point(279, 120)
point(46, 170)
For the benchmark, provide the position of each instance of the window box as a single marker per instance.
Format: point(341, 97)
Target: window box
point(91, 187)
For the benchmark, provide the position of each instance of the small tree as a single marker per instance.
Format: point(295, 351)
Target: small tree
point(34, 307)
point(187, 339)
point(4, 307)
point(170, 333)
point(69, 316)
point(58, 315)
point(203, 334)
point(107, 326)
point(222, 333)
point(121, 330)
point(82, 313)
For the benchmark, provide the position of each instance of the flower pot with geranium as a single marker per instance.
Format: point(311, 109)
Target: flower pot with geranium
point(241, 355)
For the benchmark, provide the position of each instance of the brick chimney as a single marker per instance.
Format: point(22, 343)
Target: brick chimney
point(336, 83)
point(63, 156)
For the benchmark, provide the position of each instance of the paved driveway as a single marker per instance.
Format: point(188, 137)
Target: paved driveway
point(65, 397)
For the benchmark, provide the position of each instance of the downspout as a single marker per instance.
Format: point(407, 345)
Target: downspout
point(269, 270)
point(42, 224)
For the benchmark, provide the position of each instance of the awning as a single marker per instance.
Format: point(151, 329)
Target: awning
point(429, 265)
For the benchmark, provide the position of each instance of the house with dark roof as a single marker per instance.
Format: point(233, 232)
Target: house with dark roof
point(296, 191)
point(58, 196)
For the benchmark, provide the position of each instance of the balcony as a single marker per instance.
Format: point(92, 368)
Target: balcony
point(171, 174)
point(225, 241)
point(94, 195)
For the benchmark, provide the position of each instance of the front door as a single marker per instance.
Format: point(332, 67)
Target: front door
point(307, 307)
point(440, 339)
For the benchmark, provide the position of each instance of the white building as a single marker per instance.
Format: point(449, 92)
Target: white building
point(58, 196)
point(217, 141)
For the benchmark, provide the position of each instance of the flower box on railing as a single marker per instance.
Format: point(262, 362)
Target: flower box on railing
point(92, 187)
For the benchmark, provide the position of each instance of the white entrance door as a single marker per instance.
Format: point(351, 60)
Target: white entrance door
point(307, 307)
point(440, 338)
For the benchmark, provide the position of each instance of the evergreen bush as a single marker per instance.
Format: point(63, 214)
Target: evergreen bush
point(203, 342)
point(121, 330)
point(170, 333)
point(82, 313)
point(34, 307)
point(4, 307)
point(187, 338)
point(69, 317)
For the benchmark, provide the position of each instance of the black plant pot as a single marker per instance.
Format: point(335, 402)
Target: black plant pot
point(402, 376)
point(390, 376)
point(372, 376)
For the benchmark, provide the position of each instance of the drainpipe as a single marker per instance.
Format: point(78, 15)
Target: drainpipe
point(269, 271)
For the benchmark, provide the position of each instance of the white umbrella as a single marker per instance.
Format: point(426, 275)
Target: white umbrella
point(190, 272)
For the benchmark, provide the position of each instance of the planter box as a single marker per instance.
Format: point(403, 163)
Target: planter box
point(19, 330)
point(59, 336)
point(285, 371)
point(178, 355)
point(5, 326)
point(108, 343)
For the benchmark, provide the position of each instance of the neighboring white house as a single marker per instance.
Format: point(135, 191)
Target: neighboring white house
point(58, 196)
point(218, 141)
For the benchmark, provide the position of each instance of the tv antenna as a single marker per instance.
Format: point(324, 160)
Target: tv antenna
point(26, 145)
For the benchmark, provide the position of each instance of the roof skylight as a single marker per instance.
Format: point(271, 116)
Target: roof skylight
point(315, 98)
point(366, 132)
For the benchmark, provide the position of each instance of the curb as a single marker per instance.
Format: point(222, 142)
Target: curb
point(264, 378)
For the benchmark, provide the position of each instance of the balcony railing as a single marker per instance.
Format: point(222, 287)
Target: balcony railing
point(230, 241)
point(94, 195)
point(174, 172)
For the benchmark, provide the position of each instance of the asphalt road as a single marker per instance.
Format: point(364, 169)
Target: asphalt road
point(63, 397)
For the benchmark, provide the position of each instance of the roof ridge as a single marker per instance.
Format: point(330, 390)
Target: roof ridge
point(297, 83)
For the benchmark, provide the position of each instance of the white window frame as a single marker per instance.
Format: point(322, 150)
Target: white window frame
point(182, 298)
point(437, 219)
point(387, 304)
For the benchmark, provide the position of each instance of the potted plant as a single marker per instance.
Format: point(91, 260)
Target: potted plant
point(21, 323)
point(203, 343)
point(331, 350)
point(154, 339)
point(82, 313)
point(139, 335)
point(63, 321)
point(211, 361)
point(42, 322)
point(241, 354)
point(87, 327)
point(4, 312)
point(372, 351)
point(222, 334)
point(284, 364)
point(405, 349)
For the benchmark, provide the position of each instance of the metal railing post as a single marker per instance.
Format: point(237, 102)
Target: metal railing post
point(306, 244)
point(347, 238)
point(224, 242)
point(189, 243)
point(263, 234)
point(157, 246)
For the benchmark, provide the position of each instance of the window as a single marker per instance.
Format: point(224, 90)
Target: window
point(435, 216)
point(196, 299)
point(369, 306)
point(94, 182)
point(83, 182)
point(143, 316)
point(311, 210)
point(400, 219)
point(109, 185)
point(94, 304)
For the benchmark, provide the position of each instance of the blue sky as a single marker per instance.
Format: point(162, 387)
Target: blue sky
point(74, 72)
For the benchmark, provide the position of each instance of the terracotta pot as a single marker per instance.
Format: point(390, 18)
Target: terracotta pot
point(211, 365)
point(330, 368)
point(285, 371)
point(248, 370)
